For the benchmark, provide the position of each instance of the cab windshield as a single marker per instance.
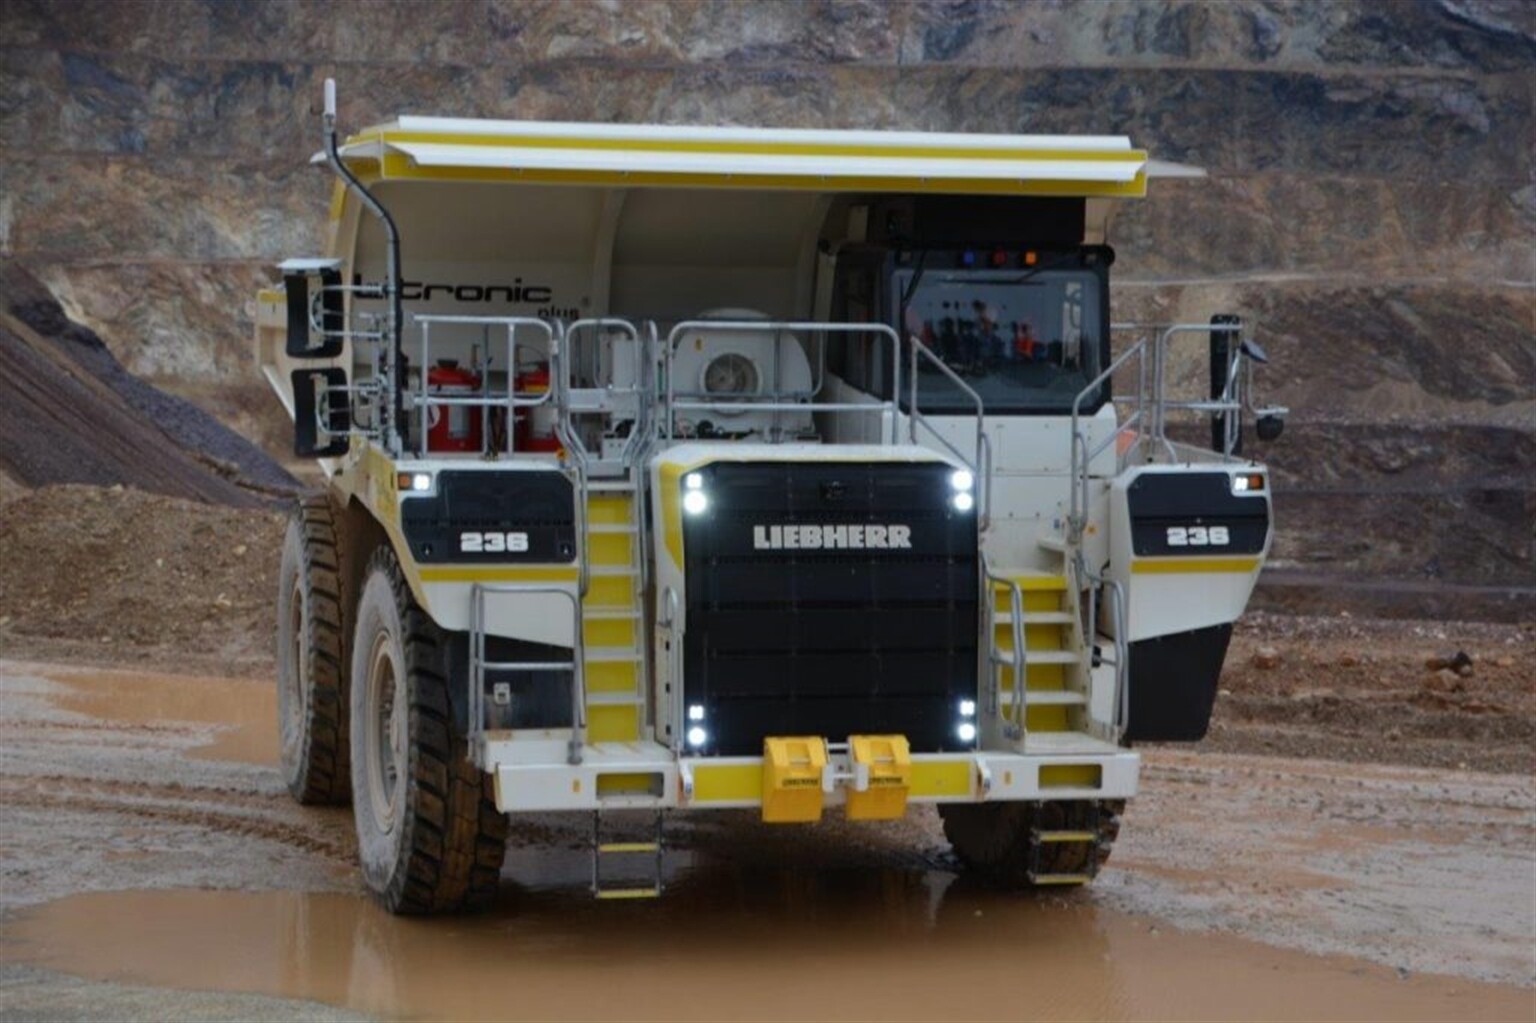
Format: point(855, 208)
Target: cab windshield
point(1027, 341)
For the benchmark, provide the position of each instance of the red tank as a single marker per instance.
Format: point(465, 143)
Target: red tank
point(535, 425)
point(453, 427)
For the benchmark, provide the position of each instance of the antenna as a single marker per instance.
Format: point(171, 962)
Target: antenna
point(330, 104)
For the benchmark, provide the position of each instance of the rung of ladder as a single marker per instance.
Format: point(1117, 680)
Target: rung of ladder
point(614, 699)
point(1035, 618)
point(606, 612)
point(1066, 836)
point(628, 847)
point(1035, 657)
point(614, 570)
point(1060, 878)
point(612, 654)
point(610, 487)
point(1054, 698)
point(610, 528)
point(628, 893)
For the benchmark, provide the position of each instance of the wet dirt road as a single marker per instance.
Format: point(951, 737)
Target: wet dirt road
point(147, 846)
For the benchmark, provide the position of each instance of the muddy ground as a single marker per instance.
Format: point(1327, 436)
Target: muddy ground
point(152, 866)
point(1353, 840)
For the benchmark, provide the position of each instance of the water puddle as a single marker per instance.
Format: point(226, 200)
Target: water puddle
point(726, 943)
point(245, 712)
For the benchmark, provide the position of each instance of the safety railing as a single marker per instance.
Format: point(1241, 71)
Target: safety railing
point(1017, 660)
point(1082, 455)
point(1097, 586)
point(479, 666)
point(510, 400)
point(980, 462)
point(776, 401)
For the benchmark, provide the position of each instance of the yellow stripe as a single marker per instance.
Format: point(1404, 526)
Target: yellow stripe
point(941, 778)
point(732, 782)
point(751, 147)
point(398, 167)
point(498, 575)
point(271, 295)
point(1180, 566)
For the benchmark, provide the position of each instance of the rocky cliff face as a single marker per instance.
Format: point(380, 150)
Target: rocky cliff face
point(1371, 206)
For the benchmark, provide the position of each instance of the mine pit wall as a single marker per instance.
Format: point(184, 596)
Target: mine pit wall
point(1365, 205)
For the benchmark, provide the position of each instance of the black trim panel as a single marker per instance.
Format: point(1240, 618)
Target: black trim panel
point(1160, 501)
point(1173, 684)
point(539, 504)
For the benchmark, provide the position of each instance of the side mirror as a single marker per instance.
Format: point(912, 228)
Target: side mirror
point(1269, 425)
point(322, 414)
point(296, 275)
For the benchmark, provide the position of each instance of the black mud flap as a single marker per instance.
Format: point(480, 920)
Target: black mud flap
point(1173, 684)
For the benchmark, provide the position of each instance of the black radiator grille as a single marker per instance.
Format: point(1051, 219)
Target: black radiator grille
point(797, 640)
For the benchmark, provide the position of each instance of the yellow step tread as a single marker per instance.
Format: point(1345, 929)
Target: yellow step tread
point(1067, 836)
point(627, 893)
point(628, 847)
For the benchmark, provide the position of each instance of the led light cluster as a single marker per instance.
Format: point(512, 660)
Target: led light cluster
point(695, 501)
point(966, 729)
point(698, 735)
point(961, 481)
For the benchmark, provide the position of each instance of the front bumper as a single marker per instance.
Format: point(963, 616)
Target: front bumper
point(531, 774)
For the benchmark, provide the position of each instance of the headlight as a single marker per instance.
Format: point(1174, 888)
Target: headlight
point(416, 482)
point(694, 502)
point(963, 501)
point(962, 479)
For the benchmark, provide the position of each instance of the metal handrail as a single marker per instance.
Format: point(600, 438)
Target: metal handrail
point(1160, 404)
point(425, 400)
point(981, 467)
point(575, 451)
point(775, 328)
point(478, 665)
point(1020, 660)
point(1078, 508)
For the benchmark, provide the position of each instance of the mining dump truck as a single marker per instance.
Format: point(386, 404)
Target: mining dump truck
point(682, 469)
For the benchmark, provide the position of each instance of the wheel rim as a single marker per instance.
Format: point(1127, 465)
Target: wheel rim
point(385, 732)
point(294, 692)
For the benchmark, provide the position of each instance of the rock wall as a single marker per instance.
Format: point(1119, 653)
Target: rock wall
point(1371, 206)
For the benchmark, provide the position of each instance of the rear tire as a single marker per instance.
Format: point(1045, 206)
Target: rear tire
point(995, 839)
point(428, 832)
point(311, 654)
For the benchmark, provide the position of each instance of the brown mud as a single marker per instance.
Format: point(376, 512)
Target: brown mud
point(729, 944)
point(145, 839)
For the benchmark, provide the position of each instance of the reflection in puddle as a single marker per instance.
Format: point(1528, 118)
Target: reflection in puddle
point(725, 942)
point(246, 712)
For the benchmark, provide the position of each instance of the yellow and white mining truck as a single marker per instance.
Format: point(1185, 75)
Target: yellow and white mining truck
point(677, 469)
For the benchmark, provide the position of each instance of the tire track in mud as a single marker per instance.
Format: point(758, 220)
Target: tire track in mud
point(164, 804)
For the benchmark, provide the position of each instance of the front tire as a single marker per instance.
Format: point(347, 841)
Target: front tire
point(312, 658)
point(428, 832)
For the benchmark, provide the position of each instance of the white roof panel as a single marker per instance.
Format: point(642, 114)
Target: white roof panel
point(630, 155)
